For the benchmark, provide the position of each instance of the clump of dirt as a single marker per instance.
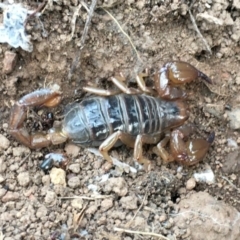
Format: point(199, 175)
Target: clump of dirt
point(86, 201)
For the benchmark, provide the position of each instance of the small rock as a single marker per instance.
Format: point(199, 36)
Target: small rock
point(20, 151)
point(58, 176)
point(102, 220)
point(139, 222)
point(9, 62)
point(106, 204)
point(75, 168)
point(191, 183)
point(3, 165)
point(117, 185)
point(234, 117)
point(1, 178)
point(77, 203)
point(236, 4)
point(74, 182)
point(23, 179)
point(129, 202)
point(232, 162)
point(10, 85)
point(92, 209)
point(46, 180)
point(4, 142)
point(72, 150)
point(2, 192)
point(50, 197)
point(10, 196)
point(41, 212)
point(163, 218)
point(216, 110)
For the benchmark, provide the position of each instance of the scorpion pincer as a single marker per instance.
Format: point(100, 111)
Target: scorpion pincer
point(133, 117)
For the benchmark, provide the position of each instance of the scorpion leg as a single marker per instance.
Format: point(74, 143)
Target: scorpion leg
point(141, 83)
point(138, 148)
point(112, 140)
point(101, 92)
point(42, 97)
point(123, 87)
point(162, 152)
point(176, 73)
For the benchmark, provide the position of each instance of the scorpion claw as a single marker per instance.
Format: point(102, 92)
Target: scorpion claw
point(190, 152)
point(43, 97)
point(176, 73)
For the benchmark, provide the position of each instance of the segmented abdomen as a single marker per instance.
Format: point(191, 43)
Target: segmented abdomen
point(94, 119)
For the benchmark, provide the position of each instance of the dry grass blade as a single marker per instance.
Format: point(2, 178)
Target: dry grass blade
point(77, 218)
point(234, 186)
point(76, 60)
point(124, 33)
point(161, 237)
point(199, 33)
point(73, 22)
point(130, 222)
point(86, 197)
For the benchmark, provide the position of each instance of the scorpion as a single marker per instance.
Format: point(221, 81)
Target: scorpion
point(127, 115)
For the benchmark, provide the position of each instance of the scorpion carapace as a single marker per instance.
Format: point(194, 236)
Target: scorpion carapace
point(132, 117)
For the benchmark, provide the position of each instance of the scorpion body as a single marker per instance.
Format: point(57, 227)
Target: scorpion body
point(93, 120)
point(132, 117)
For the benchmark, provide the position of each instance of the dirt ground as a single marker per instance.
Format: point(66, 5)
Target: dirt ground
point(85, 201)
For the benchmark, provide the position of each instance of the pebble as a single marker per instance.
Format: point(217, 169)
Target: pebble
point(50, 197)
point(106, 204)
point(1, 178)
point(234, 118)
point(72, 150)
point(20, 151)
point(92, 209)
point(2, 192)
point(77, 203)
point(23, 179)
point(10, 196)
point(58, 176)
point(46, 180)
point(129, 202)
point(75, 168)
point(4, 142)
point(9, 62)
point(41, 212)
point(74, 182)
point(3, 166)
point(117, 185)
point(191, 183)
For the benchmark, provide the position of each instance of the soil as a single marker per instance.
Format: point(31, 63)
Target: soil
point(86, 201)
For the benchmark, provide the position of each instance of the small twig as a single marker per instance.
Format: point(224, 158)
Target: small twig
point(230, 183)
point(142, 233)
point(73, 22)
point(130, 222)
point(123, 32)
point(198, 31)
point(77, 218)
point(24, 159)
point(40, 7)
point(76, 61)
point(85, 197)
